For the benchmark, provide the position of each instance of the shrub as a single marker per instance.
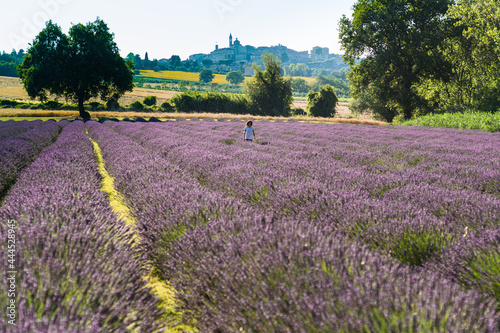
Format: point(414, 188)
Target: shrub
point(136, 106)
point(52, 105)
point(210, 102)
point(298, 112)
point(149, 100)
point(5, 103)
point(322, 103)
point(95, 106)
point(166, 107)
point(112, 104)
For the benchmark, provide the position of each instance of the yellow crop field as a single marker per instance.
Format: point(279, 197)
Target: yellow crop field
point(195, 77)
point(307, 79)
point(184, 76)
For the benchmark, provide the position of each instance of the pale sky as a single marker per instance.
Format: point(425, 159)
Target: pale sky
point(164, 28)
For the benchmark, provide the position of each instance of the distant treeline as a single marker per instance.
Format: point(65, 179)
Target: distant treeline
point(331, 67)
point(173, 64)
point(9, 62)
point(338, 80)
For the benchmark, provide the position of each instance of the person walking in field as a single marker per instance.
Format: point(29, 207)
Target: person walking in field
point(249, 131)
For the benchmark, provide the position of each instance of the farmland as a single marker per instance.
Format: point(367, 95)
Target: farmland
point(12, 89)
point(182, 76)
point(194, 77)
point(311, 228)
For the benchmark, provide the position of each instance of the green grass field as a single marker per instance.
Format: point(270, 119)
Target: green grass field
point(468, 120)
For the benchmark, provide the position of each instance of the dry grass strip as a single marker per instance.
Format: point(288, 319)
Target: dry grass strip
point(174, 115)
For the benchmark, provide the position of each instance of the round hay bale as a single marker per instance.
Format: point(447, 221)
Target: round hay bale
point(180, 119)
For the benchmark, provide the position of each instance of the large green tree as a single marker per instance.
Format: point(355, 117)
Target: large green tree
point(206, 75)
point(174, 62)
point(235, 77)
point(79, 66)
point(398, 42)
point(300, 85)
point(474, 52)
point(482, 19)
point(269, 92)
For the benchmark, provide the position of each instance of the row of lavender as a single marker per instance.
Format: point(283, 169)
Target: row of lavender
point(307, 219)
point(11, 127)
point(408, 192)
point(20, 143)
point(73, 269)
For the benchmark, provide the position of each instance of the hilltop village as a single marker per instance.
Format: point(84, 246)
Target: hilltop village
point(237, 54)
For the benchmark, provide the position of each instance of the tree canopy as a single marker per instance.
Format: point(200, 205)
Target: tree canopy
point(399, 43)
point(235, 77)
point(9, 62)
point(322, 103)
point(206, 75)
point(79, 66)
point(175, 61)
point(269, 92)
point(482, 19)
point(473, 49)
point(207, 63)
point(300, 85)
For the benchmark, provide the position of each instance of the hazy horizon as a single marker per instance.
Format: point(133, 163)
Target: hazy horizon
point(165, 28)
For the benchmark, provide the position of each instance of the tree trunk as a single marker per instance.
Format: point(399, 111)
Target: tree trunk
point(84, 114)
point(407, 104)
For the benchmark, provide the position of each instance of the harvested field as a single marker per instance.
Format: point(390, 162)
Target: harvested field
point(56, 114)
point(12, 88)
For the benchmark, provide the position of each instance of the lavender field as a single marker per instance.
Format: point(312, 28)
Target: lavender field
point(310, 228)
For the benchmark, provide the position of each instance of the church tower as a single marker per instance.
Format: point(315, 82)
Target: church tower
point(230, 40)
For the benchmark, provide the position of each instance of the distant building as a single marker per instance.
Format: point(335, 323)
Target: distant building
point(319, 53)
point(199, 57)
point(236, 53)
point(248, 71)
